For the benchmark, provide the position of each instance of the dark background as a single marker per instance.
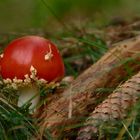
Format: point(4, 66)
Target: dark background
point(18, 15)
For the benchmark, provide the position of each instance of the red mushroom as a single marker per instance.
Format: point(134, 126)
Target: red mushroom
point(31, 58)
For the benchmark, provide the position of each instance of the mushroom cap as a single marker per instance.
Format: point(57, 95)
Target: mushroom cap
point(29, 52)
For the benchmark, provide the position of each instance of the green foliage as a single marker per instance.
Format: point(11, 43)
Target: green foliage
point(88, 47)
point(14, 124)
point(62, 6)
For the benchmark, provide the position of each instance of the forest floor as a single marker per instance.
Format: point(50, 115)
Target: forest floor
point(82, 49)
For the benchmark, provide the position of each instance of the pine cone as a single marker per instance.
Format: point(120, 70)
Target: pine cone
point(114, 108)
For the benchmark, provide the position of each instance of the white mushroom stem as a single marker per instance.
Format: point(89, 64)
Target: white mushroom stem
point(28, 90)
point(29, 95)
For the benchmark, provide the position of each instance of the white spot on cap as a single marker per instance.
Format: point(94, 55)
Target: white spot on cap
point(1, 55)
point(33, 73)
point(49, 54)
point(7, 81)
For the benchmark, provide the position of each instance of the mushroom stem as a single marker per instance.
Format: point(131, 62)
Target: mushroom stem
point(29, 94)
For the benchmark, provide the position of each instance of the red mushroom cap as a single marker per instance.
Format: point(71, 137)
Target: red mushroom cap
point(32, 51)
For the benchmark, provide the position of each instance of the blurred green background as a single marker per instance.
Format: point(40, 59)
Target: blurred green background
point(17, 15)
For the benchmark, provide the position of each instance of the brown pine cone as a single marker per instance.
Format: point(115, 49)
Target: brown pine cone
point(114, 108)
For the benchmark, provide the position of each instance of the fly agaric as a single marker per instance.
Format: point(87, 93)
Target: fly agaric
point(28, 59)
